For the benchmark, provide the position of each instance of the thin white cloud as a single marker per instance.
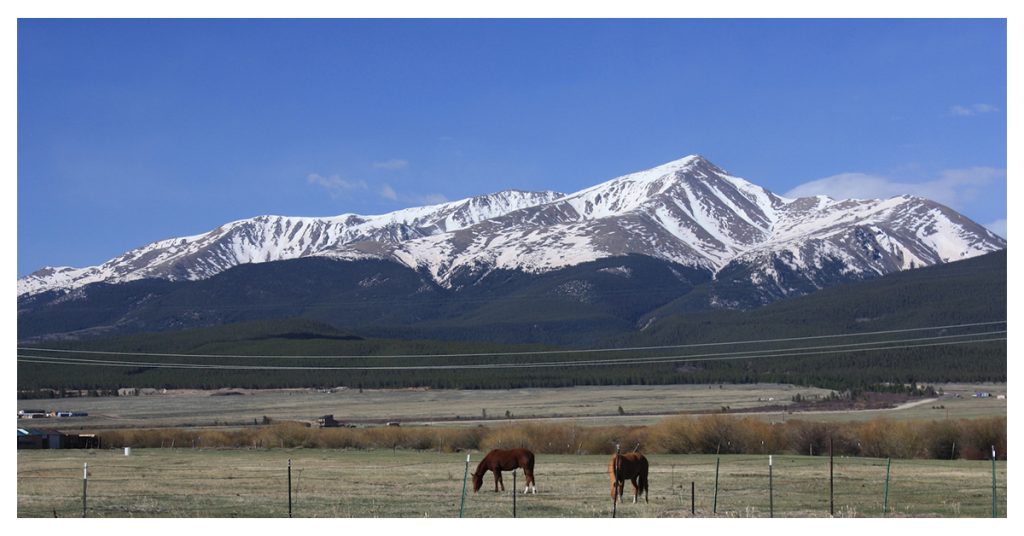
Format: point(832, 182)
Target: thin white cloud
point(953, 187)
point(336, 185)
point(387, 192)
point(960, 110)
point(339, 187)
point(432, 199)
point(998, 227)
point(391, 165)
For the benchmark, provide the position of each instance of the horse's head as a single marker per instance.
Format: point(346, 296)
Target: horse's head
point(478, 480)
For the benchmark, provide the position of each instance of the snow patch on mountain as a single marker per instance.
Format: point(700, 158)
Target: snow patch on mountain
point(688, 211)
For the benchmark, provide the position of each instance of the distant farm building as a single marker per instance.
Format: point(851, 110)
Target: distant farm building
point(35, 438)
point(327, 421)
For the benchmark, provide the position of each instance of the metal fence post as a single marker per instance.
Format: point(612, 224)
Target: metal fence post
point(289, 487)
point(618, 476)
point(693, 500)
point(85, 485)
point(994, 481)
point(885, 501)
point(465, 475)
point(514, 493)
point(714, 504)
point(771, 499)
point(831, 487)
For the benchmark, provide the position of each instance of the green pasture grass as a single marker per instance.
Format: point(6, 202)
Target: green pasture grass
point(188, 483)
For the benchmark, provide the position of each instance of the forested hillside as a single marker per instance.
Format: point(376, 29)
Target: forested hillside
point(966, 292)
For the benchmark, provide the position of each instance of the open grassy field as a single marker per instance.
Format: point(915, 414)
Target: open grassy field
point(395, 484)
point(588, 405)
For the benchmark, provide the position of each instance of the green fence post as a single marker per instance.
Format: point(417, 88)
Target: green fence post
point(465, 475)
point(771, 500)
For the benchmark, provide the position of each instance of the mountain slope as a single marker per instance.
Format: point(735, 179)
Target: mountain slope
point(274, 238)
point(572, 305)
point(968, 291)
point(689, 212)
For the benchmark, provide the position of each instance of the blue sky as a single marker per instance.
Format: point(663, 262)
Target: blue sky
point(131, 131)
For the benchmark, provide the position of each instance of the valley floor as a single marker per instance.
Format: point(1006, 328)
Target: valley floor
point(639, 405)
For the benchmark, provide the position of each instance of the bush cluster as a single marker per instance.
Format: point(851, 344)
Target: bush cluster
point(880, 438)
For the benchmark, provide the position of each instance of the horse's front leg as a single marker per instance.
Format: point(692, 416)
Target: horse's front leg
point(498, 481)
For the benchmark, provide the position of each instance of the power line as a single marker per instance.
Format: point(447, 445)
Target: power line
point(736, 352)
point(537, 352)
point(643, 360)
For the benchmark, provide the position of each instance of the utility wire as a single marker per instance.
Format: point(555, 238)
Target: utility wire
point(492, 354)
point(736, 352)
point(647, 360)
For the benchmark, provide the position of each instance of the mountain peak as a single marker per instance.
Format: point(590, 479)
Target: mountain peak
point(683, 163)
point(687, 211)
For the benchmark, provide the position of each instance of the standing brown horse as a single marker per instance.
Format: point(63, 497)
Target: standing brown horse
point(499, 460)
point(631, 466)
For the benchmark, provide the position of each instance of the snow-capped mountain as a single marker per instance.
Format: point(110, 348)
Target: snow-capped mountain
point(275, 238)
point(688, 212)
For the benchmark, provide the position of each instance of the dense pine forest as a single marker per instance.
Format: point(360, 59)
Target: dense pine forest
point(965, 292)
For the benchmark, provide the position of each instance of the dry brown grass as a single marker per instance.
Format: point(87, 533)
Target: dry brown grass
point(971, 439)
point(402, 483)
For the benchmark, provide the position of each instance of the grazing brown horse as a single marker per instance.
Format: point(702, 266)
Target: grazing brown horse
point(499, 460)
point(631, 466)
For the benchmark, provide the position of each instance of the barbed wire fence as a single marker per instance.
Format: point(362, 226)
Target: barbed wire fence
point(265, 483)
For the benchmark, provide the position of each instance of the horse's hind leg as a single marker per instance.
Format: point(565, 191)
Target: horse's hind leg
point(636, 489)
point(530, 482)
